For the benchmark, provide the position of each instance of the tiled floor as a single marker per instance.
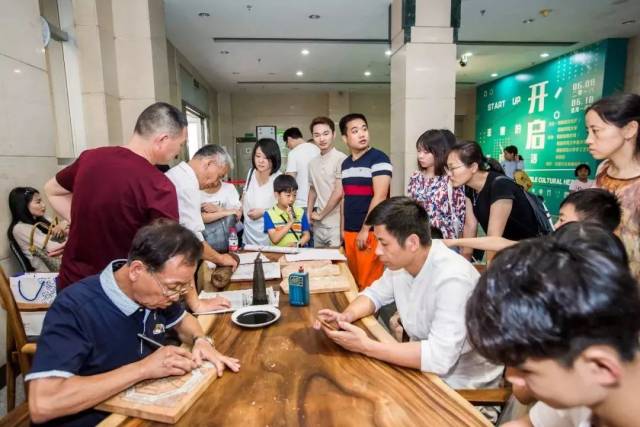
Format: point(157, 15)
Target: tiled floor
point(19, 396)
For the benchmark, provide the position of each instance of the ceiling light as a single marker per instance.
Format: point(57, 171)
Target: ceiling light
point(630, 21)
point(224, 52)
point(305, 51)
point(314, 16)
point(494, 74)
point(204, 15)
point(528, 21)
point(545, 12)
point(299, 73)
point(367, 73)
point(388, 52)
point(544, 55)
point(17, 70)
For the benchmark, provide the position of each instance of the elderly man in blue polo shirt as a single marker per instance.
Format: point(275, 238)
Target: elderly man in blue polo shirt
point(89, 349)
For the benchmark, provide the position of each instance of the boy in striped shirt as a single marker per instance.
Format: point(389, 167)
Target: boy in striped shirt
point(366, 177)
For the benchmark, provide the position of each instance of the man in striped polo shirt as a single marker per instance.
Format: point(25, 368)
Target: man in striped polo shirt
point(366, 177)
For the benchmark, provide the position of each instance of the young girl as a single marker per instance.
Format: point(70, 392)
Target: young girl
point(41, 254)
point(431, 186)
point(492, 199)
point(612, 125)
point(582, 180)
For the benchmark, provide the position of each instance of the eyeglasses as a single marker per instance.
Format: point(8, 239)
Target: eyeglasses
point(172, 290)
point(450, 169)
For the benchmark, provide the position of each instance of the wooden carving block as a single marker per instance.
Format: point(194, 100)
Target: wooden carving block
point(165, 399)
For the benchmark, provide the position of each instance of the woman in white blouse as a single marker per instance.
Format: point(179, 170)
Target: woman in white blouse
point(42, 252)
point(258, 191)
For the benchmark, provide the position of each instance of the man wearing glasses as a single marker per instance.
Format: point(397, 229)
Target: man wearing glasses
point(90, 348)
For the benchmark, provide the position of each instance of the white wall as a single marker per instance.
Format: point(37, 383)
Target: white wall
point(27, 156)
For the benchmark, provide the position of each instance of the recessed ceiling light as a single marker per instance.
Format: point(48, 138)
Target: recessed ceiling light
point(314, 16)
point(299, 73)
point(17, 70)
point(544, 55)
point(545, 12)
point(494, 74)
point(224, 52)
point(204, 14)
point(388, 52)
point(367, 73)
point(305, 51)
point(528, 21)
point(630, 21)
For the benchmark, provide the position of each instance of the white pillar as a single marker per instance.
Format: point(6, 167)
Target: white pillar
point(423, 75)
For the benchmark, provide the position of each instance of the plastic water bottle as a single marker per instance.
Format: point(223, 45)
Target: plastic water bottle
point(233, 240)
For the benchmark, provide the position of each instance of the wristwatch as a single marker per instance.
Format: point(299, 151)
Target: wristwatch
point(202, 337)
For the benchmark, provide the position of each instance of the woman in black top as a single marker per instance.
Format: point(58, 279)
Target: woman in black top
point(492, 199)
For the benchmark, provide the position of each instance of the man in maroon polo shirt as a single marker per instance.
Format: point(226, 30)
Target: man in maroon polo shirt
point(108, 193)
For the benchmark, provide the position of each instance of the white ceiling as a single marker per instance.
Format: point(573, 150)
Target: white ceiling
point(261, 66)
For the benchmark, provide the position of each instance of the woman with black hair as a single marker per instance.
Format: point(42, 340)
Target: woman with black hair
point(431, 186)
point(492, 199)
point(258, 190)
point(40, 242)
point(614, 137)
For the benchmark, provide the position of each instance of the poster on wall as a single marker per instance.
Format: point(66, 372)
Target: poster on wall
point(540, 110)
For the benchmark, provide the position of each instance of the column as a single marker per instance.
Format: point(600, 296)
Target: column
point(423, 75)
point(141, 58)
point(28, 156)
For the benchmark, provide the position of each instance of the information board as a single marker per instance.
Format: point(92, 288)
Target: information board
point(540, 110)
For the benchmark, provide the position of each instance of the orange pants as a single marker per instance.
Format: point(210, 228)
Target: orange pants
point(364, 264)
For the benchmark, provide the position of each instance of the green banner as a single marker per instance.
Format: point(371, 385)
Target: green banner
point(540, 110)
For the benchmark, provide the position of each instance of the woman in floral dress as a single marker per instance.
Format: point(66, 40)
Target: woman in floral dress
point(431, 187)
point(613, 136)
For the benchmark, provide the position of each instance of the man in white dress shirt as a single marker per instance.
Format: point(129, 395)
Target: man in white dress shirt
point(207, 166)
point(430, 285)
point(300, 154)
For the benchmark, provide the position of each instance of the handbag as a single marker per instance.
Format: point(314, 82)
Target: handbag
point(52, 263)
point(35, 288)
point(216, 233)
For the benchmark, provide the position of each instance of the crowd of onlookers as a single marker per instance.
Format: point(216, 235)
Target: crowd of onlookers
point(560, 310)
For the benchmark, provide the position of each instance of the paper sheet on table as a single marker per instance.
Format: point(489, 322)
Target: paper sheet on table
point(245, 271)
point(310, 254)
point(276, 249)
point(248, 258)
point(239, 299)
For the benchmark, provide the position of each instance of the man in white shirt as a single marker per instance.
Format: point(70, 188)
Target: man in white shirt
point(430, 285)
point(207, 166)
point(564, 315)
point(300, 154)
point(325, 185)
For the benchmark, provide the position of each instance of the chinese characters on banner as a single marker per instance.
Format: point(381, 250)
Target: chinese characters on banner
point(541, 111)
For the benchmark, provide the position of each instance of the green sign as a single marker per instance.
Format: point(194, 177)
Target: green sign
point(540, 110)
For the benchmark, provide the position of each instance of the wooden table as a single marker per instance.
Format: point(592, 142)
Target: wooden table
point(293, 375)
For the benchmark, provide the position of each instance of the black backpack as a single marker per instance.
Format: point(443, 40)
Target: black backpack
point(540, 211)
